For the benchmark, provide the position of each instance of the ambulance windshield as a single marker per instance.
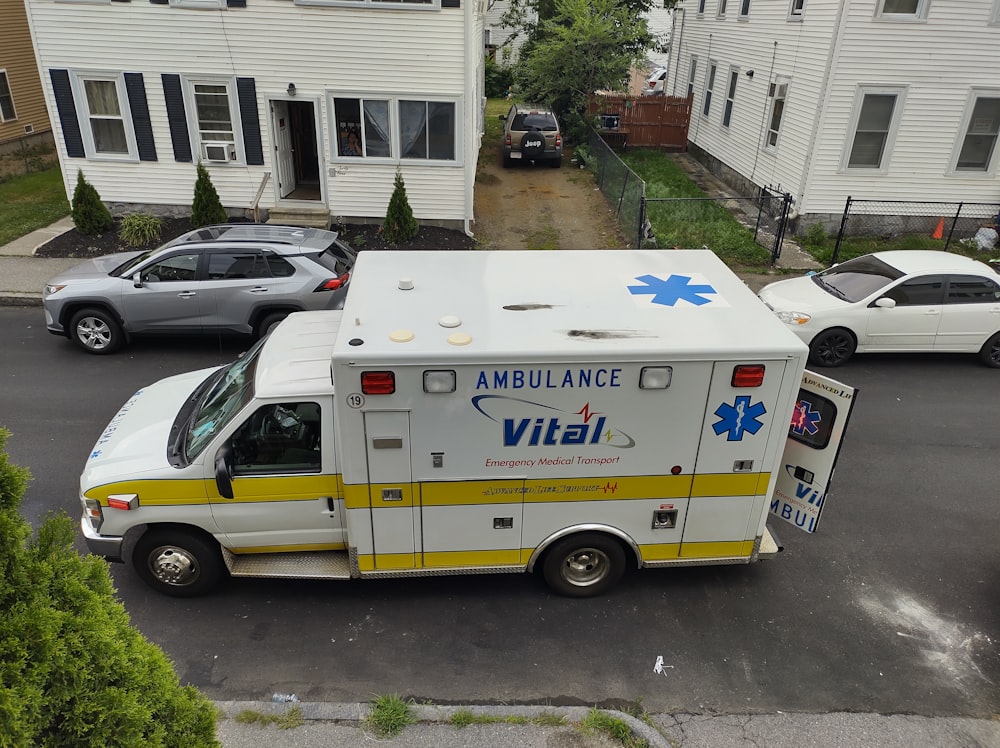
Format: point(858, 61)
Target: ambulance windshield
point(224, 395)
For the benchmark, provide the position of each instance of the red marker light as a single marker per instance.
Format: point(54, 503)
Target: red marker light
point(748, 375)
point(378, 382)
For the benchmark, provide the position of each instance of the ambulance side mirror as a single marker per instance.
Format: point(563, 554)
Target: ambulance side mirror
point(224, 471)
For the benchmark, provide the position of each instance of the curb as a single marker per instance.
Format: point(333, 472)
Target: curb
point(429, 713)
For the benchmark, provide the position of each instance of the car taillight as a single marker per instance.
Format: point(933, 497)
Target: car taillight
point(506, 139)
point(332, 284)
point(558, 140)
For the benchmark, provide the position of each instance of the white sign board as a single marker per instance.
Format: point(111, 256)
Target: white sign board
point(817, 429)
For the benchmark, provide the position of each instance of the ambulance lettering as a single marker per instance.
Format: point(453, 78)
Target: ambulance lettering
point(527, 423)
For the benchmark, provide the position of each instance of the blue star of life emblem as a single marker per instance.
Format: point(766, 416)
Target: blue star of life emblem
point(675, 288)
point(738, 418)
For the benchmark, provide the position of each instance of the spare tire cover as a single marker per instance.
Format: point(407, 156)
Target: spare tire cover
point(533, 144)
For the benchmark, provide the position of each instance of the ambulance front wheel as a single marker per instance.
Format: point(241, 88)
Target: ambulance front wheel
point(178, 563)
point(584, 565)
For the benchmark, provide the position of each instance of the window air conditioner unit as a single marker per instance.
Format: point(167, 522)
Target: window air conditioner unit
point(218, 151)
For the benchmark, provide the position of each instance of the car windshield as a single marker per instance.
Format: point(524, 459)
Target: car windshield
point(856, 279)
point(125, 268)
point(231, 390)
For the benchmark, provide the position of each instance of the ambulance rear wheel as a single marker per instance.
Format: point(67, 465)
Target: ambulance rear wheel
point(177, 563)
point(584, 565)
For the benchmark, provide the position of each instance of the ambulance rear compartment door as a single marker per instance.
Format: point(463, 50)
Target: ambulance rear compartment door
point(819, 421)
point(734, 443)
point(391, 493)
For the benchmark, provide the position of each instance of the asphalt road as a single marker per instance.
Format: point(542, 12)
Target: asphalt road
point(892, 607)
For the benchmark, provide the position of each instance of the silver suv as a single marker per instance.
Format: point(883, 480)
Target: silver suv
point(231, 278)
point(531, 133)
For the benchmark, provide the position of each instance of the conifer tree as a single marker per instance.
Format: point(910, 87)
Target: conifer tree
point(207, 207)
point(399, 225)
point(90, 215)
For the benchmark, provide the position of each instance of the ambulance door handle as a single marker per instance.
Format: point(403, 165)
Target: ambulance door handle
point(331, 505)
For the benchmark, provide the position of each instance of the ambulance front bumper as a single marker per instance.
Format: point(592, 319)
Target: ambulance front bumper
point(107, 546)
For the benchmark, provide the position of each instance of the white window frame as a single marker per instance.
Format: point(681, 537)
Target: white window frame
point(78, 79)
point(720, 9)
point(191, 111)
point(732, 84)
point(692, 72)
point(920, 14)
point(395, 129)
point(991, 168)
point(860, 93)
point(780, 80)
point(713, 70)
point(10, 94)
point(701, 8)
point(417, 5)
point(199, 4)
point(744, 12)
point(796, 9)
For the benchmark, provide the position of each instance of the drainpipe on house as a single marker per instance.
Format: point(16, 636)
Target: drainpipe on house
point(469, 9)
point(676, 42)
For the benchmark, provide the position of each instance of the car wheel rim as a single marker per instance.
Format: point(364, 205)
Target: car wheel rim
point(834, 349)
point(93, 333)
point(586, 567)
point(173, 566)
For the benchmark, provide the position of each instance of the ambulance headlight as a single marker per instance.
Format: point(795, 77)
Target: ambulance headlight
point(793, 318)
point(436, 382)
point(655, 377)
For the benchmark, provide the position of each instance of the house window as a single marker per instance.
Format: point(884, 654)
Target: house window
point(701, 7)
point(727, 115)
point(995, 13)
point(796, 8)
point(691, 73)
point(427, 130)
point(877, 113)
point(709, 85)
point(213, 115)
point(744, 8)
point(902, 10)
point(411, 4)
point(199, 4)
point(979, 144)
point(721, 11)
point(778, 92)
point(363, 127)
point(6, 99)
point(105, 120)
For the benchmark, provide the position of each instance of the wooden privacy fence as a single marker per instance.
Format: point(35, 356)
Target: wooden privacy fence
point(643, 121)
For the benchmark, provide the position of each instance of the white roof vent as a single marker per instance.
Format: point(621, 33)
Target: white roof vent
point(406, 284)
point(449, 320)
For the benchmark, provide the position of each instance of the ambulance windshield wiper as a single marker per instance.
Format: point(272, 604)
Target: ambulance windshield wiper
point(179, 430)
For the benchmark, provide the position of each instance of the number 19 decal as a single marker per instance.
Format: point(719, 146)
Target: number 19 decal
point(355, 400)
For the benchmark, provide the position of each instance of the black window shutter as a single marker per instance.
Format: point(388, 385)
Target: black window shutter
point(173, 95)
point(140, 116)
point(451, 3)
point(246, 90)
point(63, 92)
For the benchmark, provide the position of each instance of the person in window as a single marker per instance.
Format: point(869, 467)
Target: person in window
point(353, 145)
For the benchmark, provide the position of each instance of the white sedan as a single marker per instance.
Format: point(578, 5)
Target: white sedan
point(903, 300)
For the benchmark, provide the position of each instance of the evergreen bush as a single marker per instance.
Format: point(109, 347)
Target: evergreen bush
point(90, 215)
point(207, 207)
point(399, 225)
point(74, 672)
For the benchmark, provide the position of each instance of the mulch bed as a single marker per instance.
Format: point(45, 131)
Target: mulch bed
point(359, 236)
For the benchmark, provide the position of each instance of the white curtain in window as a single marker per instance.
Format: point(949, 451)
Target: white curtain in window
point(413, 129)
point(981, 135)
point(376, 126)
point(106, 125)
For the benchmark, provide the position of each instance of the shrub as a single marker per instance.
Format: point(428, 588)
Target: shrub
point(399, 224)
point(138, 229)
point(207, 208)
point(499, 79)
point(74, 672)
point(90, 215)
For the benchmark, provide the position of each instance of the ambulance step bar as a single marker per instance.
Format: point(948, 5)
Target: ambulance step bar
point(307, 565)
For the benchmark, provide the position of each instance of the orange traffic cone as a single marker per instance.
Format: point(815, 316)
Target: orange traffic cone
point(938, 233)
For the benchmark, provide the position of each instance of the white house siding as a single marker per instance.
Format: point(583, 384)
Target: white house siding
point(940, 61)
point(502, 36)
point(363, 51)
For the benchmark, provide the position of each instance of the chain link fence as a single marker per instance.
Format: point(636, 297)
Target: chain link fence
point(624, 189)
point(948, 222)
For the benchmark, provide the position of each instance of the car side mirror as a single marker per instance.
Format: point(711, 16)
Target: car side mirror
point(885, 303)
point(224, 471)
point(502, 117)
point(137, 280)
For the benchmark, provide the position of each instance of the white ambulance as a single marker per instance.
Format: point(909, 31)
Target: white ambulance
point(575, 413)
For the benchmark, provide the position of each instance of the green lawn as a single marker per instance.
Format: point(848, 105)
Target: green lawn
point(30, 202)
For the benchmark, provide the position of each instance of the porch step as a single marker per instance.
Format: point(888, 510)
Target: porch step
point(312, 217)
point(307, 565)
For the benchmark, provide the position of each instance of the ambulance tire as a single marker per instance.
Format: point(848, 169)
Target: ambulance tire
point(178, 563)
point(990, 352)
point(584, 565)
point(96, 331)
point(832, 347)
